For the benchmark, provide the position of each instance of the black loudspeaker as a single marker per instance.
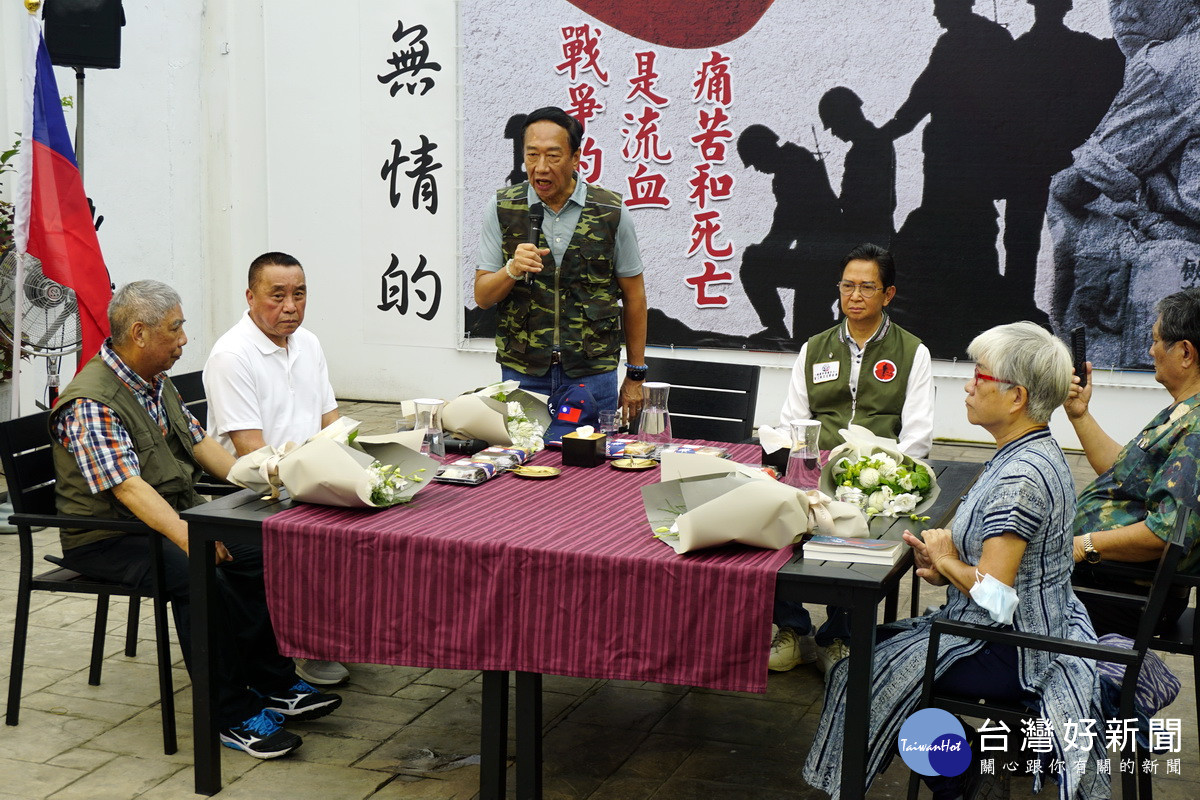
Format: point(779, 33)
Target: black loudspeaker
point(84, 33)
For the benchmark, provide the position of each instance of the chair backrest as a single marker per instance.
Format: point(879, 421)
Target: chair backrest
point(190, 386)
point(1164, 576)
point(709, 400)
point(28, 463)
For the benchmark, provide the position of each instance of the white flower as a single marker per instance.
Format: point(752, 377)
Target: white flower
point(884, 461)
point(869, 478)
point(906, 481)
point(880, 498)
point(905, 503)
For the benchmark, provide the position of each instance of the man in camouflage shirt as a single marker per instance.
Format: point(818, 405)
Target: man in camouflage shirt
point(1129, 511)
point(567, 301)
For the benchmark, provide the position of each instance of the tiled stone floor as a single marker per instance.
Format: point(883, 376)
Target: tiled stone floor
point(413, 733)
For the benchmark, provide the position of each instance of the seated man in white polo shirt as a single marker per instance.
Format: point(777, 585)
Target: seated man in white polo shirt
point(267, 383)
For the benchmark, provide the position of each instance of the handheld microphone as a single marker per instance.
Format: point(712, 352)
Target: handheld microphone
point(537, 213)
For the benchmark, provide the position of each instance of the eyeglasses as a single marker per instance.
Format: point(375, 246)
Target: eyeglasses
point(867, 290)
point(980, 376)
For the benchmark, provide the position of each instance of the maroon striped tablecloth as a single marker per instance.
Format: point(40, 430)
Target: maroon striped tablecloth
point(558, 576)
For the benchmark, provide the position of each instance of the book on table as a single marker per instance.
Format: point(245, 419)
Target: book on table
point(883, 552)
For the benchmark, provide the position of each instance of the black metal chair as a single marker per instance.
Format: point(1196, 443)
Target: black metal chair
point(29, 469)
point(709, 400)
point(1012, 714)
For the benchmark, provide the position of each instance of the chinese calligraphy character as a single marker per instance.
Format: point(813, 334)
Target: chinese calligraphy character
point(425, 184)
point(993, 738)
point(642, 142)
point(410, 61)
point(584, 104)
point(701, 282)
point(1150, 766)
point(642, 83)
point(1033, 765)
point(713, 81)
point(390, 289)
point(1165, 735)
point(1073, 731)
point(1191, 272)
point(1128, 765)
point(646, 189)
point(705, 228)
point(1038, 735)
point(1174, 766)
point(706, 186)
point(711, 138)
point(581, 53)
point(1119, 734)
point(591, 160)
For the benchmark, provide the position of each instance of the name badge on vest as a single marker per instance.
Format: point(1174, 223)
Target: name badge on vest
point(826, 371)
point(885, 371)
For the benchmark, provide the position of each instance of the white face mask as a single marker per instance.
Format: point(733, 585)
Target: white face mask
point(994, 597)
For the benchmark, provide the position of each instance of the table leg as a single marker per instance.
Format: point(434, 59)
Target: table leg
point(529, 736)
point(202, 587)
point(493, 736)
point(858, 698)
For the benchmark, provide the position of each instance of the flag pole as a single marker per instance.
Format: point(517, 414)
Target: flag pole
point(24, 189)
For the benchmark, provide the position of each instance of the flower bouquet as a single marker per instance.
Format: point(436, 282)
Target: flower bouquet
point(501, 414)
point(704, 501)
point(870, 472)
point(337, 467)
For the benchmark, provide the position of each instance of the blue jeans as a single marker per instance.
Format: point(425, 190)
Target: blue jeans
point(790, 614)
point(603, 386)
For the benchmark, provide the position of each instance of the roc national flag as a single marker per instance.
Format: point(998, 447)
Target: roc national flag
point(52, 220)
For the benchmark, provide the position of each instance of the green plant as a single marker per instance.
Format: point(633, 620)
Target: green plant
point(6, 208)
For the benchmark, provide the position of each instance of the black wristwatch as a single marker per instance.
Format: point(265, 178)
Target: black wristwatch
point(636, 373)
point(1090, 554)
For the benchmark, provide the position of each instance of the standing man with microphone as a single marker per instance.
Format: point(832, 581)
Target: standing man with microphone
point(561, 260)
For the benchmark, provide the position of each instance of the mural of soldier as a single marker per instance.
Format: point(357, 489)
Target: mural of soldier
point(797, 247)
point(1064, 82)
point(962, 91)
point(1125, 216)
point(868, 196)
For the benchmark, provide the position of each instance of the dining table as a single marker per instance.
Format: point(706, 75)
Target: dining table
point(500, 578)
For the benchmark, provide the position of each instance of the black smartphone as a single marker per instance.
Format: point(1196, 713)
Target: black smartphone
point(1079, 354)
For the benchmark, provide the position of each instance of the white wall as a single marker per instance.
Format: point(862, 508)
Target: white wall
point(238, 126)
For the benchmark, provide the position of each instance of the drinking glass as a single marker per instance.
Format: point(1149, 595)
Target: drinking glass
point(804, 461)
point(429, 419)
point(608, 423)
point(655, 423)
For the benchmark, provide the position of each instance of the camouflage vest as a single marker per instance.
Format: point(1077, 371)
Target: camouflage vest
point(166, 462)
point(882, 386)
point(574, 302)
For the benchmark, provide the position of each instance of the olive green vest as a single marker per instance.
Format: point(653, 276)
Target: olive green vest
point(577, 299)
point(881, 386)
point(166, 462)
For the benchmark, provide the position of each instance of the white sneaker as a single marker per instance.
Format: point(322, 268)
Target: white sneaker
point(789, 649)
point(321, 673)
point(828, 656)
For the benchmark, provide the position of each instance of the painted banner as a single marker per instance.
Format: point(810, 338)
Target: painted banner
point(756, 142)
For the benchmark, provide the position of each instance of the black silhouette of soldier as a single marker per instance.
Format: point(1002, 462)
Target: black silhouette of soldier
point(1064, 81)
point(868, 197)
point(803, 238)
point(963, 91)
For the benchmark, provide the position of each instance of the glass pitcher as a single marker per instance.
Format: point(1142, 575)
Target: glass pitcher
point(655, 422)
point(803, 469)
point(429, 419)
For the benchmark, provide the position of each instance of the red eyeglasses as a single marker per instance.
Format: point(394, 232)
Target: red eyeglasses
point(980, 376)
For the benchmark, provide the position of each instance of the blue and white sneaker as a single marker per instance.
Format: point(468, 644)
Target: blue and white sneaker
point(302, 701)
point(261, 736)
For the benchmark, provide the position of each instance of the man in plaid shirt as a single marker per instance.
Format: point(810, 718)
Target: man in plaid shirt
point(124, 444)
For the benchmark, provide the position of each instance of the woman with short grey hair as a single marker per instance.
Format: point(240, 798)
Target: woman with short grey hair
point(1033, 359)
point(1006, 562)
